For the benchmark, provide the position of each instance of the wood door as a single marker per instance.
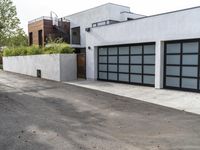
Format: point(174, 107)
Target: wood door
point(81, 65)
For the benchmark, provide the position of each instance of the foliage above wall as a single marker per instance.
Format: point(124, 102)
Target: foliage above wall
point(10, 32)
point(53, 48)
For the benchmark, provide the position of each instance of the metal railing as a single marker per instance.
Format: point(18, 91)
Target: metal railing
point(41, 18)
point(48, 18)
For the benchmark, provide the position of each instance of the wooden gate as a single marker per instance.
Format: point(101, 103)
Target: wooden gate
point(81, 65)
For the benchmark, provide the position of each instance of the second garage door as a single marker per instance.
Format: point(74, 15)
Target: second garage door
point(134, 64)
point(182, 65)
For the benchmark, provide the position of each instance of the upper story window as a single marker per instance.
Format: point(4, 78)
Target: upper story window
point(130, 19)
point(76, 37)
point(104, 23)
point(31, 38)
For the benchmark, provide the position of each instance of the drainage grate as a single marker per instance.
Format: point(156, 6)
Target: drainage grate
point(39, 73)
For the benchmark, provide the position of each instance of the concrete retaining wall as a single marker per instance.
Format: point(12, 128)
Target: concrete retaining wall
point(58, 67)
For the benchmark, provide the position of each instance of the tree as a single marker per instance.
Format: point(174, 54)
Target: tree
point(19, 39)
point(9, 25)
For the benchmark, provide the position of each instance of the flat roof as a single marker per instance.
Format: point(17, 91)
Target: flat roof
point(97, 7)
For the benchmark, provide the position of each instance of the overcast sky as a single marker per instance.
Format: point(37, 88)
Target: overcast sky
point(31, 9)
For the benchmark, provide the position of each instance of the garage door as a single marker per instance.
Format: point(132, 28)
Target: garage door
point(134, 64)
point(182, 65)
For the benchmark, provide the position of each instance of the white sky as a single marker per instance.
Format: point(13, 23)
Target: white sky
point(31, 9)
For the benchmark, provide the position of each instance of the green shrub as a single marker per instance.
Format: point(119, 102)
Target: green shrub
point(34, 50)
point(53, 48)
point(58, 48)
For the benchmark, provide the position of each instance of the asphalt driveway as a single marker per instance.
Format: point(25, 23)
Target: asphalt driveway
point(45, 115)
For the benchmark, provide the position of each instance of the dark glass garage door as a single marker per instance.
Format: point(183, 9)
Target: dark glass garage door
point(134, 64)
point(182, 65)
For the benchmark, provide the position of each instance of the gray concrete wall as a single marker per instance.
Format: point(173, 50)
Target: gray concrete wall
point(50, 65)
point(68, 67)
point(171, 26)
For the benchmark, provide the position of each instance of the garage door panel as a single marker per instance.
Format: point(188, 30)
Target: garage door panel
point(149, 59)
point(112, 68)
point(189, 83)
point(190, 71)
point(124, 59)
point(124, 50)
point(136, 78)
point(103, 59)
point(190, 59)
point(149, 69)
point(136, 59)
point(149, 49)
point(173, 82)
point(173, 70)
point(112, 59)
point(136, 49)
point(148, 79)
point(103, 51)
point(136, 68)
point(112, 51)
point(173, 48)
point(112, 76)
point(124, 77)
point(103, 75)
point(190, 47)
point(173, 59)
point(124, 68)
point(102, 67)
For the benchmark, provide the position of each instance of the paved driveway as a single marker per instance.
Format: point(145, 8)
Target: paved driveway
point(44, 115)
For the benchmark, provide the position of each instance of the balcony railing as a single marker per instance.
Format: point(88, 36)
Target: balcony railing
point(39, 19)
point(48, 18)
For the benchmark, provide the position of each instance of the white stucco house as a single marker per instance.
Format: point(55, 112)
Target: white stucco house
point(162, 50)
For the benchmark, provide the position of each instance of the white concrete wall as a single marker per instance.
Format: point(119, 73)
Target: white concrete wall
point(171, 26)
point(53, 67)
point(101, 13)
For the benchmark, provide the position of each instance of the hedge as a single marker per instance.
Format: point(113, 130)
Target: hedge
point(52, 48)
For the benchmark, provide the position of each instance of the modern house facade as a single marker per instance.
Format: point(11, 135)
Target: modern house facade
point(73, 28)
point(162, 51)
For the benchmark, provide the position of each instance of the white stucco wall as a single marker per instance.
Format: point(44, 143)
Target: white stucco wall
point(53, 67)
point(171, 26)
point(85, 19)
point(68, 67)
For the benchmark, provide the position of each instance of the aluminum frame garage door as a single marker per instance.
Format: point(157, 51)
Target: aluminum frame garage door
point(182, 60)
point(133, 64)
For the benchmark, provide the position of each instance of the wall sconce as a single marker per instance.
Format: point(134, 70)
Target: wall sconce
point(87, 29)
point(89, 47)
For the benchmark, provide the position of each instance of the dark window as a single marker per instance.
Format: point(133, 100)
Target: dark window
point(31, 38)
point(76, 38)
point(130, 19)
point(40, 38)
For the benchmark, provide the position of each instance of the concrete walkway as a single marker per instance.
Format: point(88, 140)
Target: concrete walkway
point(186, 101)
